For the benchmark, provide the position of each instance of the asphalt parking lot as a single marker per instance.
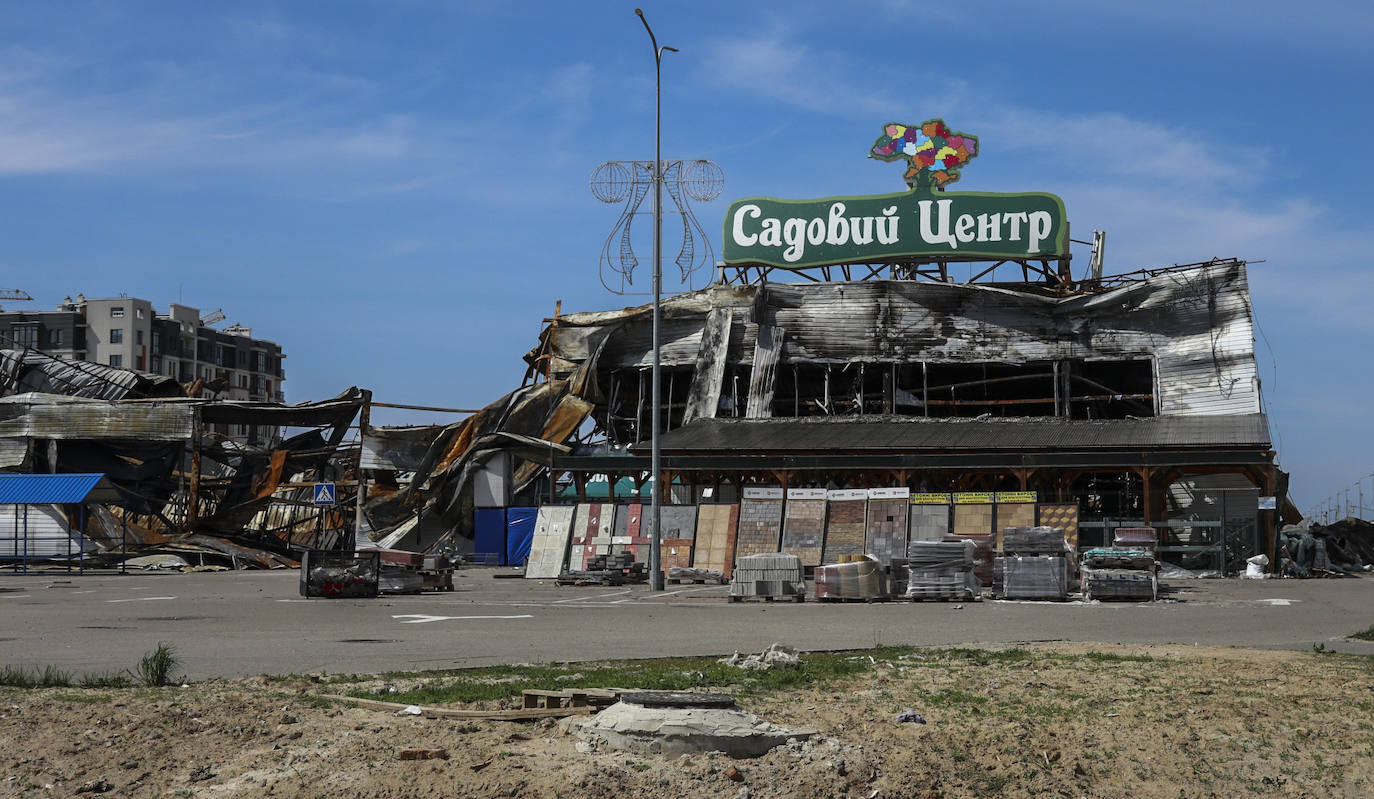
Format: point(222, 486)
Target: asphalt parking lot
point(244, 623)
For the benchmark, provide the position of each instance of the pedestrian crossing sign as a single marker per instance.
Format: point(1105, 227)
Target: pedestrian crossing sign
point(325, 494)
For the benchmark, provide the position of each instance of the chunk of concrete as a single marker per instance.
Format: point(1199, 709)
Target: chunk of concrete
point(675, 731)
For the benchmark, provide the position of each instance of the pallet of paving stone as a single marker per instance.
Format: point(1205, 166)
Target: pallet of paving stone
point(1135, 537)
point(1119, 558)
point(1030, 577)
point(982, 555)
point(861, 579)
point(678, 575)
point(768, 575)
point(1033, 541)
point(584, 578)
point(1133, 584)
point(941, 570)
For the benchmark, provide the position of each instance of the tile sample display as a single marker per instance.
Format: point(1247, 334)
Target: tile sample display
point(715, 547)
point(803, 529)
point(549, 547)
point(846, 523)
point(885, 531)
point(760, 522)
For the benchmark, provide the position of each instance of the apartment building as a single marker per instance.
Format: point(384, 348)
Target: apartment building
point(129, 333)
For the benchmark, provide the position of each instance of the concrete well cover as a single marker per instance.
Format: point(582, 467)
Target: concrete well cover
point(675, 730)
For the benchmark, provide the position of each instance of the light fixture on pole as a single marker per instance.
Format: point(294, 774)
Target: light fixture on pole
point(656, 494)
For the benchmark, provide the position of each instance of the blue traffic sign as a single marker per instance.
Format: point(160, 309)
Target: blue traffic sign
point(325, 494)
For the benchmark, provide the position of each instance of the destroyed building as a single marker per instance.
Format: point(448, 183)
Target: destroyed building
point(1136, 400)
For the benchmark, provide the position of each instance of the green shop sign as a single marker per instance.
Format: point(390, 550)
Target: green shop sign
point(921, 222)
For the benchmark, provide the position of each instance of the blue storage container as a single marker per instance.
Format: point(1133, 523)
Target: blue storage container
point(489, 539)
point(519, 534)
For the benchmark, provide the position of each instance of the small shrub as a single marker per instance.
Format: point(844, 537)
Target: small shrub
point(155, 668)
point(1366, 634)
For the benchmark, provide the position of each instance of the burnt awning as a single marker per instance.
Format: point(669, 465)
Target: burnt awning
point(888, 434)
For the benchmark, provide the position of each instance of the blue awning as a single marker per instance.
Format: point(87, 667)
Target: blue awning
point(53, 489)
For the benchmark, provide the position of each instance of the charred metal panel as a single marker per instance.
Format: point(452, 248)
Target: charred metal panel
point(704, 397)
point(397, 448)
point(67, 418)
point(767, 349)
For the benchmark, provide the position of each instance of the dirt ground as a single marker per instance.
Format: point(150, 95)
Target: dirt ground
point(1065, 720)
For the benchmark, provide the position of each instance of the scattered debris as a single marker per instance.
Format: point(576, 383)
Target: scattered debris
point(910, 717)
point(774, 657)
point(521, 714)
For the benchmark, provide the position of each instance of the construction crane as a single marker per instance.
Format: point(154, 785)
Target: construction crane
point(14, 294)
point(214, 316)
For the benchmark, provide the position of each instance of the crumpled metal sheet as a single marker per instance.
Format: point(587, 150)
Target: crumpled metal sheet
point(24, 371)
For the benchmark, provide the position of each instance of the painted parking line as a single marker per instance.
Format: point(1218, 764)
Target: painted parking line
point(688, 590)
point(140, 599)
point(590, 596)
point(421, 618)
point(15, 596)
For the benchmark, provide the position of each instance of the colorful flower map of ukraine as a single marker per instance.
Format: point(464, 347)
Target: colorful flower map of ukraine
point(934, 154)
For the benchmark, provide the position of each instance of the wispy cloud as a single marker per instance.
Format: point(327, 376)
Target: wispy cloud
point(778, 66)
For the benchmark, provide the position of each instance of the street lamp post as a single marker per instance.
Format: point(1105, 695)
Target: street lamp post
point(656, 492)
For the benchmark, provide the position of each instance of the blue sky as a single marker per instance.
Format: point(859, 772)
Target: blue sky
point(397, 191)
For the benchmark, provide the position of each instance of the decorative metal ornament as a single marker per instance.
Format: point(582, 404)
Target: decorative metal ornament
point(629, 182)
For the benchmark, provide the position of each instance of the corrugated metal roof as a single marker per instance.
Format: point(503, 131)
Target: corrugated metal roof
point(914, 434)
point(46, 489)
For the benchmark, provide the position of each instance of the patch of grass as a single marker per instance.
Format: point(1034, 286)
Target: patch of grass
point(954, 696)
point(46, 677)
point(1367, 634)
point(104, 679)
point(318, 702)
point(156, 666)
point(1112, 657)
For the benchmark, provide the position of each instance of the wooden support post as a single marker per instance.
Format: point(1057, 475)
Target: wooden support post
point(193, 490)
point(360, 493)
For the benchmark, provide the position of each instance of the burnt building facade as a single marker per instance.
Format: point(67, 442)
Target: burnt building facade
point(1135, 398)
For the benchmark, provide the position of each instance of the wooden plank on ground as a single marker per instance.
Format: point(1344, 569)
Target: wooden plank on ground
point(518, 714)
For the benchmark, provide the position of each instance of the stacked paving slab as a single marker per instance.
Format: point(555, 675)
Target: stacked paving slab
point(1126, 570)
point(939, 570)
point(1033, 564)
point(769, 575)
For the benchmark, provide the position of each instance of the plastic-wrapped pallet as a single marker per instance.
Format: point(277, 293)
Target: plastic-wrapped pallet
point(1120, 584)
point(1137, 537)
point(1119, 558)
point(1030, 576)
point(1033, 541)
point(768, 575)
point(859, 579)
point(941, 570)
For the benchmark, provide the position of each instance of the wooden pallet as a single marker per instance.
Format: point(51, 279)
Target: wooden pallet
point(573, 697)
point(852, 599)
